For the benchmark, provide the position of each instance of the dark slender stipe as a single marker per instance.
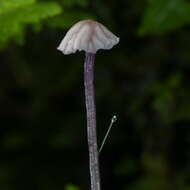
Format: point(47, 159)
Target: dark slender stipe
point(91, 121)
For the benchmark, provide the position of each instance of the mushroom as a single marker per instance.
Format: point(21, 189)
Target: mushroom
point(89, 36)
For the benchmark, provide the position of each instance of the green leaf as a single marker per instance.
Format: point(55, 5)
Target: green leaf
point(71, 187)
point(71, 3)
point(8, 5)
point(163, 16)
point(13, 23)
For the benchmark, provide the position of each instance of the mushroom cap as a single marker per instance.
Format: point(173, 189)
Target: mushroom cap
point(89, 36)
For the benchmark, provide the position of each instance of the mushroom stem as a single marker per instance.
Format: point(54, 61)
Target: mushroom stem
point(91, 121)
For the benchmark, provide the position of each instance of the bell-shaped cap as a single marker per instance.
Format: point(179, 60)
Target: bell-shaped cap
point(89, 36)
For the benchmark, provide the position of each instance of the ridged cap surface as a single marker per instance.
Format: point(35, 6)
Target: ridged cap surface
point(89, 36)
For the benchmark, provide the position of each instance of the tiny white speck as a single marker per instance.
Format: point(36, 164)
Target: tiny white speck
point(114, 119)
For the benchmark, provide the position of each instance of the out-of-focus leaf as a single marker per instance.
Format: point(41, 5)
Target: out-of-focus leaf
point(126, 167)
point(171, 101)
point(71, 3)
point(8, 5)
point(151, 182)
point(71, 187)
point(12, 23)
point(164, 15)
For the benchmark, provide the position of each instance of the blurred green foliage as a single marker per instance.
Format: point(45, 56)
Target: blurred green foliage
point(71, 187)
point(164, 16)
point(144, 81)
point(15, 14)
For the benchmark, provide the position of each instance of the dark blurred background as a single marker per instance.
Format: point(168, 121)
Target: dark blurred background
point(144, 80)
